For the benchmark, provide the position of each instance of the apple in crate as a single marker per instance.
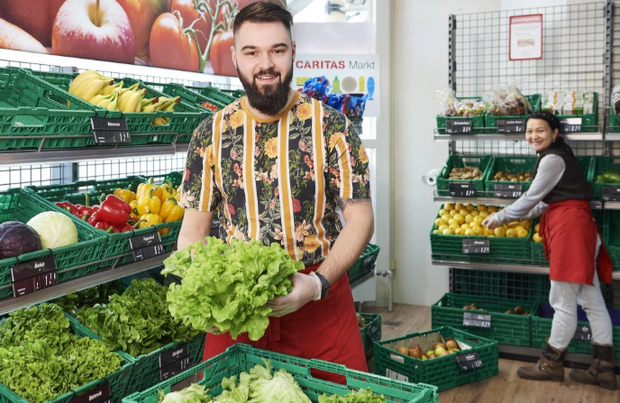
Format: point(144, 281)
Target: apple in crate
point(415, 351)
point(93, 29)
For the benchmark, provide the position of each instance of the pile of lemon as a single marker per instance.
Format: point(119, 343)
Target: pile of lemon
point(536, 237)
point(466, 220)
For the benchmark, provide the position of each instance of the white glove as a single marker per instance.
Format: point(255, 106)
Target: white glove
point(319, 287)
point(491, 221)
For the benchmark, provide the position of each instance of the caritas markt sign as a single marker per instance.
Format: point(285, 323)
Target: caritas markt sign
point(347, 74)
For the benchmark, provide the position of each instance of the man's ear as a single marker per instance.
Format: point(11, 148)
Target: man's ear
point(233, 55)
point(294, 50)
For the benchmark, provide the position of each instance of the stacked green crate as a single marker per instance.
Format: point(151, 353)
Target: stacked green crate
point(459, 161)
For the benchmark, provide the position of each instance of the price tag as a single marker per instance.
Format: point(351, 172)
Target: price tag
point(462, 189)
point(570, 125)
point(510, 125)
point(472, 246)
point(173, 369)
point(148, 252)
point(458, 126)
point(168, 357)
point(508, 190)
point(33, 275)
point(476, 320)
point(140, 241)
point(611, 193)
point(100, 394)
point(146, 246)
point(395, 375)
point(583, 333)
point(470, 361)
point(110, 131)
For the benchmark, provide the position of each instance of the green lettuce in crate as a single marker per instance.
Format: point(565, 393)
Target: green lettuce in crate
point(227, 287)
point(360, 396)
point(40, 359)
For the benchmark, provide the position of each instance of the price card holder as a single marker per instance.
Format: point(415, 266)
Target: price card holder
point(33, 275)
point(570, 125)
point(610, 193)
point(146, 246)
point(110, 131)
point(475, 246)
point(173, 361)
point(458, 126)
point(583, 333)
point(173, 369)
point(470, 361)
point(476, 320)
point(100, 394)
point(511, 125)
point(462, 189)
point(508, 190)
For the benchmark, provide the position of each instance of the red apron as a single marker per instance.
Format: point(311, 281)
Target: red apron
point(569, 233)
point(325, 329)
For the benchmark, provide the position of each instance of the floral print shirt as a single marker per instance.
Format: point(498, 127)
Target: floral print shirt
point(277, 180)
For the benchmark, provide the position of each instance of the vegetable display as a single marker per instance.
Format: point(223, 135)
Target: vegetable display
point(227, 287)
point(40, 359)
point(136, 321)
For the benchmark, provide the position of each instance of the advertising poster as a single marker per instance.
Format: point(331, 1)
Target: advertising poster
point(526, 35)
point(190, 35)
point(347, 74)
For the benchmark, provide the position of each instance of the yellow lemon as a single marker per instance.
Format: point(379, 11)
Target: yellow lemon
point(488, 232)
point(469, 231)
point(445, 217)
point(491, 209)
point(475, 224)
point(459, 218)
point(439, 222)
point(443, 227)
point(448, 231)
point(537, 238)
point(478, 219)
point(478, 230)
point(469, 218)
point(522, 233)
point(448, 206)
point(458, 231)
point(474, 213)
point(463, 212)
point(443, 212)
point(518, 227)
point(491, 236)
point(453, 221)
point(500, 232)
point(454, 226)
point(536, 227)
point(465, 226)
point(470, 207)
point(483, 214)
point(459, 207)
point(453, 212)
point(481, 208)
point(511, 233)
point(513, 224)
point(436, 231)
point(527, 224)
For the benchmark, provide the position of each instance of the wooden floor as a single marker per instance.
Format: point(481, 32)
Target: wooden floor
point(506, 387)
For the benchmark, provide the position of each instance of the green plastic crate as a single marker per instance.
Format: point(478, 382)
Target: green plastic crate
point(72, 260)
point(460, 161)
point(117, 380)
point(31, 108)
point(537, 250)
point(193, 97)
point(241, 357)
point(234, 93)
point(364, 264)
point(443, 372)
point(589, 122)
point(371, 332)
point(602, 164)
point(490, 121)
point(218, 96)
point(517, 286)
point(611, 236)
point(614, 121)
point(505, 328)
point(502, 250)
point(477, 122)
point(512, 164)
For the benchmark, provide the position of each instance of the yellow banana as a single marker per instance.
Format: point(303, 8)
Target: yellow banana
point(131, 101)
point(83, 76)
point(159, 121)
point(97, 98)
point(113, 106)
point(108, 89)
point(124, 98)
point(149, 101)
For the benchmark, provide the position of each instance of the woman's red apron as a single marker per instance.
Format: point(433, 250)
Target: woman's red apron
point(569, 232)
point(325, 329)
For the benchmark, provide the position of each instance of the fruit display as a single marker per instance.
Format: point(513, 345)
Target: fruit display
point(536, 237)
point(466, 220)
point(610, 176)
point(513, 177)
point(507, 101)
point(466, 173)
point(439, 349)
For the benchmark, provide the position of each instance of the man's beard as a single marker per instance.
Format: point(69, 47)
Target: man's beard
point(273, 98)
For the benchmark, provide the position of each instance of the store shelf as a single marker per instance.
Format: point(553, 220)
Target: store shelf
point(81, 283)
point(511, 268)
point(594, 205)
point(516, 136)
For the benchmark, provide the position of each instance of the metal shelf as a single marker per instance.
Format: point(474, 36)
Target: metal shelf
point(594, 205)
point(511, 268)
point(81, 283)
point(520, 136)
point(612, 137)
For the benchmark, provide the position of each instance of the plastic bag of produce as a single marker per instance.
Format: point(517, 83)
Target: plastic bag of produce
point(447, 102)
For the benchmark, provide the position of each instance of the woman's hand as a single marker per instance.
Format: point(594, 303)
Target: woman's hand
point(491, 221)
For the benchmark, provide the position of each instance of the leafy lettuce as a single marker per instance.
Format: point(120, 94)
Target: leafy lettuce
point(361, 396)
point(227, 287)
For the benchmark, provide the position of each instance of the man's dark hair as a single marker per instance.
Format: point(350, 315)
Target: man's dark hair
point(263, 11)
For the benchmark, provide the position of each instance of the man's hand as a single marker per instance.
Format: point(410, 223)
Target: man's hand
point(491, 221)
point(304, 291)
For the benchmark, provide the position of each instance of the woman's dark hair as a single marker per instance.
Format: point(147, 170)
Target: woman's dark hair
point(548, 117)
point(263, 11)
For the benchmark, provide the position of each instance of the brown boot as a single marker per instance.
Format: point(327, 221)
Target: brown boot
point(548, 368)
point(601, 370)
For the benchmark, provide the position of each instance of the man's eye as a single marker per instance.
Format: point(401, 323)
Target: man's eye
point(251, 53)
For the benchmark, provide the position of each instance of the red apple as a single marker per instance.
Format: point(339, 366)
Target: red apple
point(142, 15)
point(403, 350)
point(415, 352)
point(33, 16)
point(93, 29)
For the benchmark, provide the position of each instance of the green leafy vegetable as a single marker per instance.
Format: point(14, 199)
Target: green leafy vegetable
point(100, 294)
point(40, 359)
point(137, 321)
point(361, 396)
point(227, 287)
point(54, 229)
point(192, 394)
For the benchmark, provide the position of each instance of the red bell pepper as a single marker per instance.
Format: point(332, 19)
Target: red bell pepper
point(67, 206)
point(85, 208)
point(93, 219)
point(114, 210)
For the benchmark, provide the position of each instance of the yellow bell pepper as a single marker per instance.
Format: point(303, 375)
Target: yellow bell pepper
point(140, 191)
point(167, 192)
point(143, 189)
point(148, 220)
point(149, 204)
point(171, 211)
point(134, 209)
point(127, 195)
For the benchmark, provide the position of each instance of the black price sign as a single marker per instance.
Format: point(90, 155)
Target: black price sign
point(100, 394)
point(583, 333)
point(470, 361)
point(140, 241)
point(33, 275)
point(471, 246)
point(148, 252)
point(570, 125)
point(510, 125)
point(462, 189)
point(110, 131)
point(173, 369)
point(175, 354)
point(458, 126)
point(611, 193)
point(476, 320)
point(146, 246)
point(508, 190)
